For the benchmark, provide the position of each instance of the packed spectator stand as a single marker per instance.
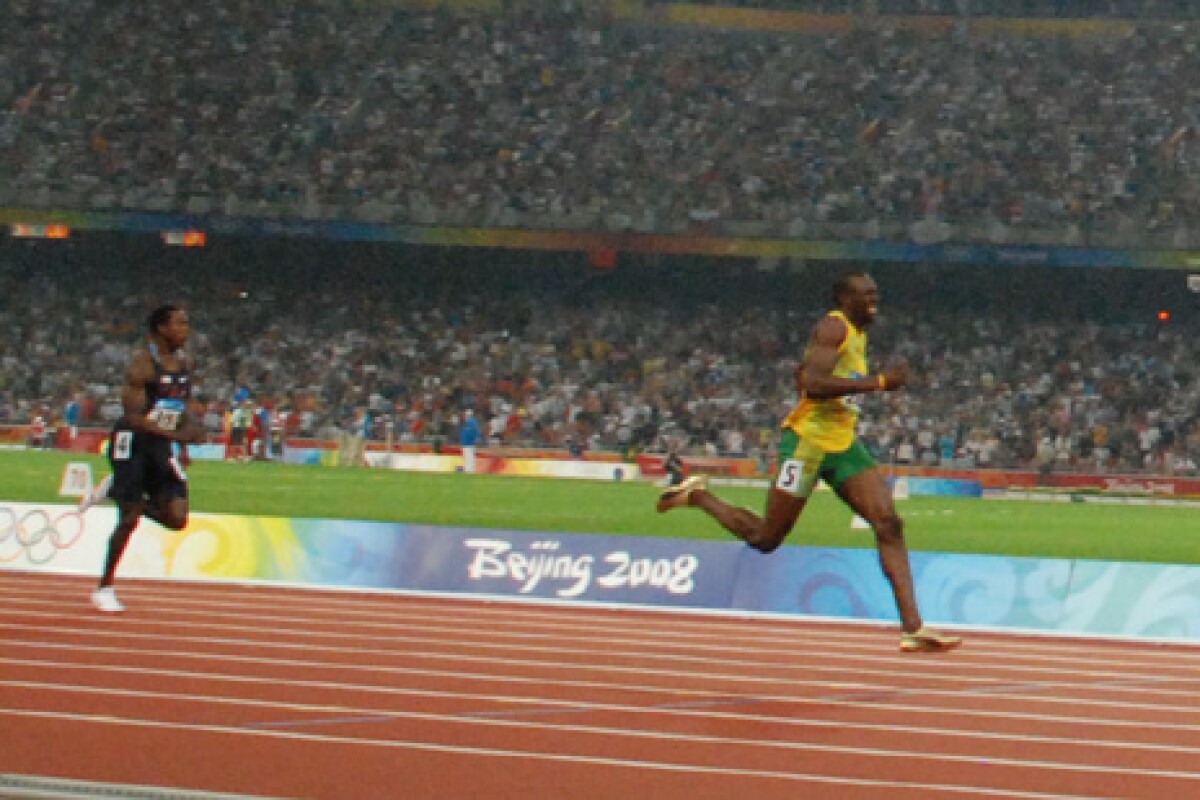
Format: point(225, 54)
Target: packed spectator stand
point(1029, 369)
point(556, 115)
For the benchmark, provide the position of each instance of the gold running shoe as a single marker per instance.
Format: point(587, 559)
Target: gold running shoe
point(678, 495)
point(927, 640)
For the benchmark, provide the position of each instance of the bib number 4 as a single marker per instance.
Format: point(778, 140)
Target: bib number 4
point(122, 446)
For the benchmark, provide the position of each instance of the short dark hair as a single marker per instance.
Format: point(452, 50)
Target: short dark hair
point(842, 285)
point(161, 316)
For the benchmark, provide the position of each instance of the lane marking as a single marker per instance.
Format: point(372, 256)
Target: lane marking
point(799, 667)
point(860, 700)
point(913, 666)
point(546, 707)
point(357, 601)
point(692, 769)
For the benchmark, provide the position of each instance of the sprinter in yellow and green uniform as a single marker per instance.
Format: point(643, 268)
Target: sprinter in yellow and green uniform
point(818, 438)
point(819, 442)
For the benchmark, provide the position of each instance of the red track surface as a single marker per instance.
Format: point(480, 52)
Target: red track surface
point(299, 693)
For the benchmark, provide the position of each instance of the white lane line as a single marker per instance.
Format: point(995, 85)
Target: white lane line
point(991, 656)
point(797, 664)
point(645, 648)
point(545, 705)
point(505, 608)
point(794, 777)
point(990, 647)
point(401, 620)
point(852, 700)
point(879, 693)
point(622, 733)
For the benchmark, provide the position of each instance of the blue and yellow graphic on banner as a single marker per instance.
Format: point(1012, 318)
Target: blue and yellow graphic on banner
point(318, 552)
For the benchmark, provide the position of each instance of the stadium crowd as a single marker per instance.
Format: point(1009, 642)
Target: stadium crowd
point(1011, 368)
point(554, 115)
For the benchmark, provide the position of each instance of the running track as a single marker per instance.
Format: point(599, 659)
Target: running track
point(300, 693)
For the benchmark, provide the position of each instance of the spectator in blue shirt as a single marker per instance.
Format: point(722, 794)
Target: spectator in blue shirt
point(469, 438)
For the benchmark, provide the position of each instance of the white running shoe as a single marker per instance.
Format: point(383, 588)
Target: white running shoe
point(96, 494)
point(106, 600)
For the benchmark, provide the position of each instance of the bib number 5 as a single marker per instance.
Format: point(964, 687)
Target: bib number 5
point(791, 478)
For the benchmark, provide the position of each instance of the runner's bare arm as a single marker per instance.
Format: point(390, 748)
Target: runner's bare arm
point(820, 382)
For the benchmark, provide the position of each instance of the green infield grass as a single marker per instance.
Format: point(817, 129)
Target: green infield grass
point(961, 525)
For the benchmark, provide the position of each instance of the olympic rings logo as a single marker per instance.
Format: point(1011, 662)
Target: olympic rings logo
point(36, 535)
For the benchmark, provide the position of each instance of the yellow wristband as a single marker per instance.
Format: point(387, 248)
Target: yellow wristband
point(882, 383)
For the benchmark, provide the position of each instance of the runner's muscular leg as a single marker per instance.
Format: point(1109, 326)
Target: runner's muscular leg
point(169, 511)
point(128, 515)
point(869, 496)
point(765, 533)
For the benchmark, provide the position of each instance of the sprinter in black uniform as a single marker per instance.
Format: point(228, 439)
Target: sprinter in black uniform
point(148, 468)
